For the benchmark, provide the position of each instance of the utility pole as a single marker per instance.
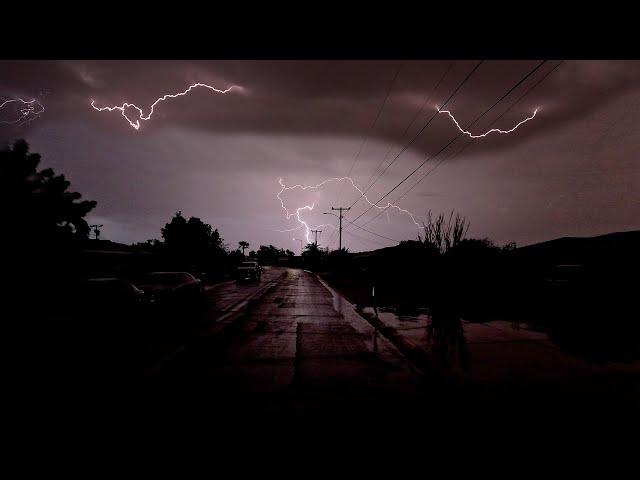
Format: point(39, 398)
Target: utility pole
point(340, 216)
point(316, 232)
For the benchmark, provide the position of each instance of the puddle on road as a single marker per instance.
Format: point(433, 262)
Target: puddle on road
point(583, 342)
point(493, 350)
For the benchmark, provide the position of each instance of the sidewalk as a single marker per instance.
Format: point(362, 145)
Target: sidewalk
point(508, 367)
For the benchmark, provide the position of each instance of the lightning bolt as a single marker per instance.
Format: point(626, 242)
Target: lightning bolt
point(488, 132)
point(305, 225)
point(29, 111)
point(385, 208)
point(135, 123)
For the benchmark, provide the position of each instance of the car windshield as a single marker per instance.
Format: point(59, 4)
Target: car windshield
point(167, 278)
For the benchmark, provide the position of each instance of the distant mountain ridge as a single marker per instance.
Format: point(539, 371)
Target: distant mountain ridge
point(610, 247)
point(617, 246)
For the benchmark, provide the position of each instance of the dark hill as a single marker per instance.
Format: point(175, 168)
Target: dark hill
point(613, 247)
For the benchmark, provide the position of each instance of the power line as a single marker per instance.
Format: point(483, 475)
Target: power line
point(377, 117)
point(332, 238)
point(334, 235)
point(373, 233)
point(531, 88)
point(457, 136)
point(426, 100)
point(364, 138)
point(469, 143)
point(490, 125)
point(511, 106)
point(415, 137)
point(332, 242)
point(363, 239)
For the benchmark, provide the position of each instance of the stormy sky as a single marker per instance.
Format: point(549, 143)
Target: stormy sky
point(570, 171)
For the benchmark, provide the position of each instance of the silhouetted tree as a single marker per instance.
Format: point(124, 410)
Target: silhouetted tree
point(270, 254)
point(235, 257)
point(340, 260)
point(193, 244)
point(152, 245)
point(310, 248)
point(192, 236)
point(475, 248)
point(313, 256)
point(37, 206)
point(243, 245)
point(509, 247)
point(43, 226)
point(443, 233)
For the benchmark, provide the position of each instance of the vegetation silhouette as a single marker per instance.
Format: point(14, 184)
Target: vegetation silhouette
point(313, 256)
point(193, 244)
point(44, 231)
point(442, 272)
point(270, 255)
point(243, 245)
point(44, 226)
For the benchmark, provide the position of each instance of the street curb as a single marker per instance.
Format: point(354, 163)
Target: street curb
point(379, 327)
point(419, 359)
point(220, 326)
point(416, 355)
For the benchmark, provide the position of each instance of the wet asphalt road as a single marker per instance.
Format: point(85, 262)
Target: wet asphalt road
point(299, 353)
point(284, 349)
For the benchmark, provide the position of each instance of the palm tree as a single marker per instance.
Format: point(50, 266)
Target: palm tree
point(243, 245)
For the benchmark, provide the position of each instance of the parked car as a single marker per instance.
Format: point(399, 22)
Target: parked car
point(107, 317)
point(172, 287)
point(108, 294)
point(249, 271)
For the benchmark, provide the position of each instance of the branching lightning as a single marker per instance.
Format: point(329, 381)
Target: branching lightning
point(488, 132)
point(28, 111)
point(305, 225)
point(389, 205)
point(135, 123)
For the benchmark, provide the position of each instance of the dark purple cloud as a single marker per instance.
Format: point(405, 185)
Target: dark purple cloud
point(568, 171)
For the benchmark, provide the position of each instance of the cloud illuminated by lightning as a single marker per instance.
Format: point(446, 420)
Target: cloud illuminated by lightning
point(29, 110)
point(493, 130)
point(305, 225)
point(135, 123)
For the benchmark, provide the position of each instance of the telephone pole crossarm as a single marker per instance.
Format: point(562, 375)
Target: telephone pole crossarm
point(316, 232)
point(340, 217)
